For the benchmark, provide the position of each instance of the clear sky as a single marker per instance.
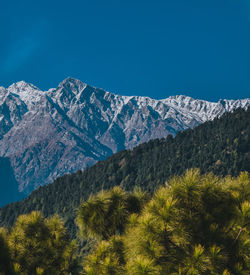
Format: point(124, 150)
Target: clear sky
point(155, 48)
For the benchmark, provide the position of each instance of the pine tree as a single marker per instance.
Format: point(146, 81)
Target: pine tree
point(41, 246)
point(196, 224)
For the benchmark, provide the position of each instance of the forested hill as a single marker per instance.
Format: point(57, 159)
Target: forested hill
point(221, 146)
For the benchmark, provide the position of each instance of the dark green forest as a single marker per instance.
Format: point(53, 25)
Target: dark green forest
point(221, 146)
point(193, 225)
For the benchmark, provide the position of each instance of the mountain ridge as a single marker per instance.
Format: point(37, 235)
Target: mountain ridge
point(220, 146)
point(46, 134)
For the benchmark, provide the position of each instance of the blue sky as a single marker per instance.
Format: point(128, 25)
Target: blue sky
point(155, 48)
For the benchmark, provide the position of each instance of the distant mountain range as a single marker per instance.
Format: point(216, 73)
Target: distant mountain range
point(221, 146)
point(46, 134)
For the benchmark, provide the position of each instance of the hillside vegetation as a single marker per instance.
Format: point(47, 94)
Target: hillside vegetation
point(62, 130)
point(221, 146)
point(195, 224)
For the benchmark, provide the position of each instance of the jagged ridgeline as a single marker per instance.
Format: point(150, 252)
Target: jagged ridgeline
point(221, 146)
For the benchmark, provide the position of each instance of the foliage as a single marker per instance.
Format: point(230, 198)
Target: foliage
point(6, 267)
point(108, 258)
point(196, 224)
point(106, 213)
point(40, 246)
point(221, 146)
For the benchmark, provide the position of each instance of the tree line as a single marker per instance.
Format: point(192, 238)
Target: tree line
point(194, 224)
point(221, 146)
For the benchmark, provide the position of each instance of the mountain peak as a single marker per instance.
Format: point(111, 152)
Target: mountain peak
point(70, 87)
point(181, 97)
point(75, 125)
point(27, 92)
point(22, 85)
point(71, 81)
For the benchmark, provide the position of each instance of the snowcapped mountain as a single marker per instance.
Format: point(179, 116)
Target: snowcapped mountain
point(46, 134)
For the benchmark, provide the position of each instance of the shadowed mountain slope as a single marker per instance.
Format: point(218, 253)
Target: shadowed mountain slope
point(221, 146)
point(46, 134)
point(9, 185)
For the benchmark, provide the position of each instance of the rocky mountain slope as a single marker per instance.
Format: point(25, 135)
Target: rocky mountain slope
point(46, 134)
point(221, 146)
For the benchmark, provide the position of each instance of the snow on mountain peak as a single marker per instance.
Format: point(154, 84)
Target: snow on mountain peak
point(27, 92)
point(71, 92)
point(70, 87)
point(70, 82)
point(22, 85)
point(75, 124)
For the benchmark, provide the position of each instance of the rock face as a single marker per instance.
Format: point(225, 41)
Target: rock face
point(46, 134)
